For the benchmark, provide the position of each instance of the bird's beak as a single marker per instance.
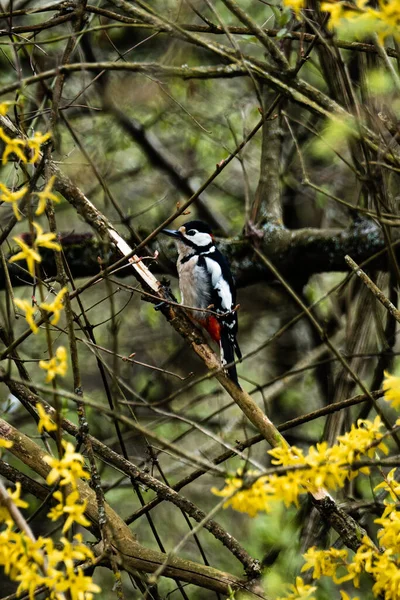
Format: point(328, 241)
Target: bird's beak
point(172, 233)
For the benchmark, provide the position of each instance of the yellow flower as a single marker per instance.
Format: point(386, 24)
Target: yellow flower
point(300, 591)
point(34, 144)
point(391, 385)
point(5, 443)
point(13, 146)
point(15, 497)
point(30, 255)
point(79, 585)
point(18, 146)
point(36, 563)
point(7, 195)
point(56, 512)
point(30, 580)
point(44, 420)
point(323, 467)
point(325, 562)
point(56, 306)
point(56, 365)
point(45, 239)
point(336, 11)
point(29, 311)
point(71, 508)
point(70, 553)
point(244, 498)
point(391, 485)
point(4, 106)
point(389, 535)
point(46, 194)
point(345, 596)
point(69, 468)
point(74, 511)
point(295, 5)
point(364, 20)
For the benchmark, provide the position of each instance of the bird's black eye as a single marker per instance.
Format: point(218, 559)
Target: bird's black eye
point(191, 232)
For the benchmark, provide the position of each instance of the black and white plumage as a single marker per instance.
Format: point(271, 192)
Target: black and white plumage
point(205, 280)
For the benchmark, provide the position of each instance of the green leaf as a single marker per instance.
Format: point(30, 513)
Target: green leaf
point(281, 33)
point(285, 17)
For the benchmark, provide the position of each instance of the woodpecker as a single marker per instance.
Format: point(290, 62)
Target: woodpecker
point(205, 281)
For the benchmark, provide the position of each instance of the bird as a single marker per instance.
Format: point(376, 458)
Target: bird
point(206, 282)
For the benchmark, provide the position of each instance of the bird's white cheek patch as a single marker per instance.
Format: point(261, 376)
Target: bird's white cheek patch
point(200, 239)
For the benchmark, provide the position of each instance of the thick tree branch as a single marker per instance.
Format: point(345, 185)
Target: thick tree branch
point(162, 490)
point(128, 552)
point(317, 250)
point(267, 206)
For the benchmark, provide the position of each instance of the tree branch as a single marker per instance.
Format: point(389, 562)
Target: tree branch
point(267, 207)
point(128, 552)
point(318, 250)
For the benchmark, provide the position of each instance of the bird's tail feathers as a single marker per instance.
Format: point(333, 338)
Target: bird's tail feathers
point(228, 345)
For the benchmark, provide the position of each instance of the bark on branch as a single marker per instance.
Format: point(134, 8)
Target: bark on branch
point(317, 250)
point(129, 554)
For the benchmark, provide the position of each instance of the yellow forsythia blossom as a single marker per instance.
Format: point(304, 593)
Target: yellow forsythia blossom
point(19, 146)
point(325, 562)
point(4, 106)
point(56, 365)
point(68, 469)
point(249, 499)
point(31, 254)
point(7, 195)
point(80, 586)
point(391, 385)
point(323, 467)
point(46, 194)
point(45, 240)
point(364, 20)
point(391, 485)
point(382, 564)
point(34, 144)
point(300, 591)
point(43, 563)
point(29, 311)
point(71, 507)
point(295, 5)
point(345, 596)
point(28, 254)
point(44, 420)
point(56, 306)
point(13, 146)
point(15, 497)
point(23, 561)
point(5, 443)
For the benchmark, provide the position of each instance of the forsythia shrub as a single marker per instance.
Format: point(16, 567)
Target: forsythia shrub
point(360, 18)
point(43, 563)
point(330, 467)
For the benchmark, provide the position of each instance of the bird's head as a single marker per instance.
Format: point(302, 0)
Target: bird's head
point(194, 235)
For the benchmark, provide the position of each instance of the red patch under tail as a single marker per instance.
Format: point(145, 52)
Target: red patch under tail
point(213, 326)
